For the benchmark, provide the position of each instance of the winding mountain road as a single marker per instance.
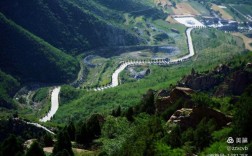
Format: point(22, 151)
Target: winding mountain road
point(115, 80)
point(54, 105)
point(40, 126)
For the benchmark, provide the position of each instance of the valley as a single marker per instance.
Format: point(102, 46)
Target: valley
point(124, 77)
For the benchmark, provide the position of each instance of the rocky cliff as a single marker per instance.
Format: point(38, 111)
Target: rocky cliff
point(190, 117)
point(205, 81)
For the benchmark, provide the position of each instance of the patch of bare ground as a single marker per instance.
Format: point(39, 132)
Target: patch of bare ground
point(247, 41)
point(184, 9)
point(223, 13)
point(76, 150)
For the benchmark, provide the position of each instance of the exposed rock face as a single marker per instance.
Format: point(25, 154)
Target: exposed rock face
point(165, 100)
point(236, 83)
point(241, 79)
point(187, 117)
point(205, 81)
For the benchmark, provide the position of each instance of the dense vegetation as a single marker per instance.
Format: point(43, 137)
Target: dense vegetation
point(108, 99)
point(154, 116)
point(8, 87)
point(30, 58)
point(140, 130)
point(73, 26)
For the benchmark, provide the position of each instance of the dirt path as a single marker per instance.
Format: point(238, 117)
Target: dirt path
point(40, 126)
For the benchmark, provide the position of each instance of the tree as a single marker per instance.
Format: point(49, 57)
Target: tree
point(47, 140)
point(193, 71)
point(118, 111)
point(93, 126)
point(63, 143)
point(113, 113)
point(35, 149)
point(71, 130)
point(202, 135)
point(82, 136)
point(89, 130)
point(12, 146)
point(243, 117)
point(148, 102)
point(175, 137)
point(202, 100)
point(129, 114)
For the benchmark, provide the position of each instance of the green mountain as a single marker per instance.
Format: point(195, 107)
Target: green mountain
point(70, 25)
point(31, 59)
point(8, 87)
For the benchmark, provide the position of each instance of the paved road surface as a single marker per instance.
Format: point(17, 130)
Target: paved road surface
point(115, 80)
point(54, 105)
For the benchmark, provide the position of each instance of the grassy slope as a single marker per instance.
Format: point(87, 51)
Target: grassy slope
point(30, 58)
point(161, 77)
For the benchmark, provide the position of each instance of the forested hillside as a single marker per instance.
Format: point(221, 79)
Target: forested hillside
point(8, 87)
point(31, 59)
point(125, 77)
point(73, 26)
point(124, 5)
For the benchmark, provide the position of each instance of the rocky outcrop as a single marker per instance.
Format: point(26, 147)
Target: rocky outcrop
point(205, 81)
point(164, 99)
point(241, 79)
point(236, 82)
point(190, 117)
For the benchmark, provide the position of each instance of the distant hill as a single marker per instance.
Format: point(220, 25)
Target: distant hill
point(123, 5)
point(71, 25)
point(30, 59)
point(233, 1)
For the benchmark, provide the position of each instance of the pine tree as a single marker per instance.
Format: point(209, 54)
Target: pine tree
point(82, 136)
point(148, 102)
point(47, 140)
point(35, 149)
point(113, 113)
point(93, 126)
point(129, 114)
point(12, 146)
point(71, 131)
point(243, 118)
point(175, 137)
point(89, 130)
point(63, 142)
point(118, 111)
point(202, 136)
